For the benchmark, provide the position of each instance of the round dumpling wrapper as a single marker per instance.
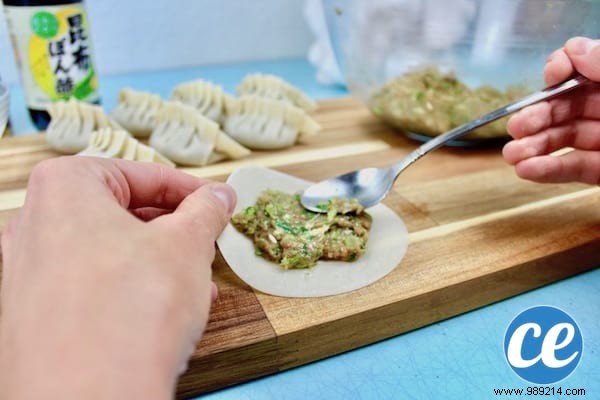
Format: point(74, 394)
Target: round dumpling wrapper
point(388, 241)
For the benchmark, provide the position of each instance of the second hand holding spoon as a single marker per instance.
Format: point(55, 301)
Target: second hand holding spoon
point(370, 185)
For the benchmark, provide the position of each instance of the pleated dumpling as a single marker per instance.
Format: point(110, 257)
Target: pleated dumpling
point(260, 123)
point(72, 123)
point(187, 137)
point(207, 98)
point(116, 143)
point(273, 87)
point(136, 111)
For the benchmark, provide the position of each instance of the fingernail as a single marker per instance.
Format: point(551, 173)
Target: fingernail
point(225, 194)
point(581, 46)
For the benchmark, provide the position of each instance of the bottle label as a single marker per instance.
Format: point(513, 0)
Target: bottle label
point(54, 53)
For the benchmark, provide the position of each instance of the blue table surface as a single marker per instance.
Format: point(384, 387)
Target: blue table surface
point(460, 358)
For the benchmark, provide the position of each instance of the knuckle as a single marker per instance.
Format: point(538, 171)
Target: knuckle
point(45, 171)
point(48, 171)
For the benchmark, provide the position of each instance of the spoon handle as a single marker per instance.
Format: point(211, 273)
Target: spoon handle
point(517, 105)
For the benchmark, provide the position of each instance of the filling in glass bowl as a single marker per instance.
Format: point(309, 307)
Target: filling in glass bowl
point(429, 102)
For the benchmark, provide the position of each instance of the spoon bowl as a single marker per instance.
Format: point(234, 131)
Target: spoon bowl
point(369, 186)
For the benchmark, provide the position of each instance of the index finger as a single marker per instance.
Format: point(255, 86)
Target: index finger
point(155, 185)
point(558, 67)
point(84, 183)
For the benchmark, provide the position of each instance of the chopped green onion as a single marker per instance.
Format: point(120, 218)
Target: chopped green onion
point(286, 227)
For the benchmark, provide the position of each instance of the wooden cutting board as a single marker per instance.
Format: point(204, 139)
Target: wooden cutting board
point(478, 235)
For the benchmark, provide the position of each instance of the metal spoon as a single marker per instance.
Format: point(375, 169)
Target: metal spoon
point(371, 185)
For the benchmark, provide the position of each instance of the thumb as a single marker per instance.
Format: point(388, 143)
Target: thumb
point(204, 212)
point(585, 56)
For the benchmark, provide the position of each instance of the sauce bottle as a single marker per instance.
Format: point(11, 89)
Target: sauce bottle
point(52, 45)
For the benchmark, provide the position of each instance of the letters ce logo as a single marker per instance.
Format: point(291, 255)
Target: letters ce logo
point(543, 345)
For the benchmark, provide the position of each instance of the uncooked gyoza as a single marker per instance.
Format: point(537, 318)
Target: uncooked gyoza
point(185, 136)
point(72, 123)
point(261, 123)
point(273, 87)
point(136, 111)
point(116, 143)
point(207, 98)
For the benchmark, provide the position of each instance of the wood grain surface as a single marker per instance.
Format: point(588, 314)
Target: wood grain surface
point(478, 235)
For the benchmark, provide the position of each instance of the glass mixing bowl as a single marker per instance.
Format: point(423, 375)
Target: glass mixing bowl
point(427, 66)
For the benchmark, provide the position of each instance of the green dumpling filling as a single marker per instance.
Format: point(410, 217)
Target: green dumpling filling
point(286, 233)
point(430, 102)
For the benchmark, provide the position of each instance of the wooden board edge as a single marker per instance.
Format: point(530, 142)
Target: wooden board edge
point(219, 370)
point(374, 325)
point(390, 320)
